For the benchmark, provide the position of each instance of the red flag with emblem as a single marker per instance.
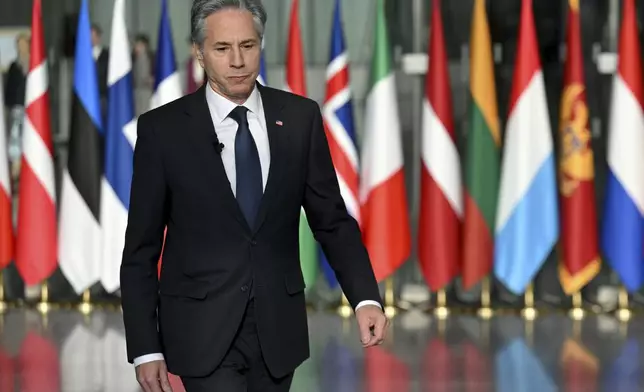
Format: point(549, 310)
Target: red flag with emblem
point(579, 244)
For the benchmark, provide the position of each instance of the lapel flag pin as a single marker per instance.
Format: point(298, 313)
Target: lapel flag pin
point(278, 122)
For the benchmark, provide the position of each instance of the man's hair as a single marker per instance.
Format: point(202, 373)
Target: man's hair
point(202, 9)
point(97, 28)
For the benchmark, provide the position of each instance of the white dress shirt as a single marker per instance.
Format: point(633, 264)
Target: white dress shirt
point(96, 52)
point(226, 129)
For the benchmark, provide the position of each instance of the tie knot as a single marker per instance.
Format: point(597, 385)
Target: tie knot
point(239, 114)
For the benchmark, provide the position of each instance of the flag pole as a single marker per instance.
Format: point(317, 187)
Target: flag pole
point(529, 312)
point(86, 306)
point(577, 312)
point(390, 307)
point(623, 311)
point(43, 305)
point(441, 311)
point(3, 303)
point(486, 312)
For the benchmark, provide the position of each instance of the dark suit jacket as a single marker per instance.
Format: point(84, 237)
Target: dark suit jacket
point(211, 256)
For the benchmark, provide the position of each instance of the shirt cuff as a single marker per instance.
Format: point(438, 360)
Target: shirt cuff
point(368, 302)
point(148, 358)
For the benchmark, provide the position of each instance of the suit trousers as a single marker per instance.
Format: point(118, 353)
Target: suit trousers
point(243, 368)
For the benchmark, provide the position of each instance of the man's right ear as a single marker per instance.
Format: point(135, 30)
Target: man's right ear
point(197, 53)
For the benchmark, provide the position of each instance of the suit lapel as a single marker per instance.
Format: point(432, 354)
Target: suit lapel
point(277, 140)
point(201, 124)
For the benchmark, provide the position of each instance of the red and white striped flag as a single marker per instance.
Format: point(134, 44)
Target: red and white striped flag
point(441, 204)
point(6, 223)
point(36, 240)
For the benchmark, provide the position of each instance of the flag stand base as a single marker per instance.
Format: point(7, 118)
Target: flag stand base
point(577, 312)
point(86, 306)
point(623, 313)
point(390, 307)
point(3, 304)
point(485, 312)
point(344, 310)
point(441, 311)
point(529, 312)
point(44, 306)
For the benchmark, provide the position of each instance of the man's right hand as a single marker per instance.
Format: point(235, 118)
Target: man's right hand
point(153, 377)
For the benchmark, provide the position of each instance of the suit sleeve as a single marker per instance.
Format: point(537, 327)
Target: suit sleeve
point(143, 243)
point(337, 232)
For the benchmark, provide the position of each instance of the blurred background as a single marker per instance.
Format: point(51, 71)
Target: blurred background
point(76, 352)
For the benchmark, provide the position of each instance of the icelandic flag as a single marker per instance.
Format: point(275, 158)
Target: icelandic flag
point(527, 223)
point(623, 224)
point(120, 138)
point(167, 84)
point(340, 131)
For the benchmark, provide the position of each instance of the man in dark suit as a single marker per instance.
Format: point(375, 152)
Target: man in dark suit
point(227, 170)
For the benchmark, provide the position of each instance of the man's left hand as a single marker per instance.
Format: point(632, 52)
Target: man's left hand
point(371, 316)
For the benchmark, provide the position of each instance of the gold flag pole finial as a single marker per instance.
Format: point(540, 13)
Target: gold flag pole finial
point(486, 312)
point(44, 305)
point(3, 303)
point(623, 311)
point(86, 306)
point(577, 312)
point(390, 307)
point(441, 311)
point(344, 310)
point(529, 312)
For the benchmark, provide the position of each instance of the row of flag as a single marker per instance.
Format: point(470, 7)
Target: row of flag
point(516, 207)
point(503, 218)
point(89, 358)
point(518, 200)
point(85, 239)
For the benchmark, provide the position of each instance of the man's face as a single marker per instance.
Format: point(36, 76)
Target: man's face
point(23, 47)
point(231, 53)
point(96, 38)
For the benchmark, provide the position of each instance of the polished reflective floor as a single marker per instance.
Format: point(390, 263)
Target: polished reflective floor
point(67, 352)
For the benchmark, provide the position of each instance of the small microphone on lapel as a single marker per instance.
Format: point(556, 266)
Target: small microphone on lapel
point(278, 122)
point(217, 144)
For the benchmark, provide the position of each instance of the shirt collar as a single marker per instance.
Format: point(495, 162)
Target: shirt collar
point(221, 106)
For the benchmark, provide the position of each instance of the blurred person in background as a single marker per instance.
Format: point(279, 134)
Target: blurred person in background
point(101, 56)
point(15, 100)
point(142, 73)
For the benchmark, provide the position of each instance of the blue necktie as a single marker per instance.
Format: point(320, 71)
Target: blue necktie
point(248, 170)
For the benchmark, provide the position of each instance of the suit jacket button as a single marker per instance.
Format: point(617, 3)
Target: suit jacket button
point(244, 288)
point(253, 242)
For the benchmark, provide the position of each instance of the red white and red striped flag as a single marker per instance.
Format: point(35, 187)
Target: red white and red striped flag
point(36, 240)
point(441, 204)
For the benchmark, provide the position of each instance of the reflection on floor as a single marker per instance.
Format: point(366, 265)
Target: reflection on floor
point(69, 353)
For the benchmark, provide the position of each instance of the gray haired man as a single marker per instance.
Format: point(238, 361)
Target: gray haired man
point(227, 170)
